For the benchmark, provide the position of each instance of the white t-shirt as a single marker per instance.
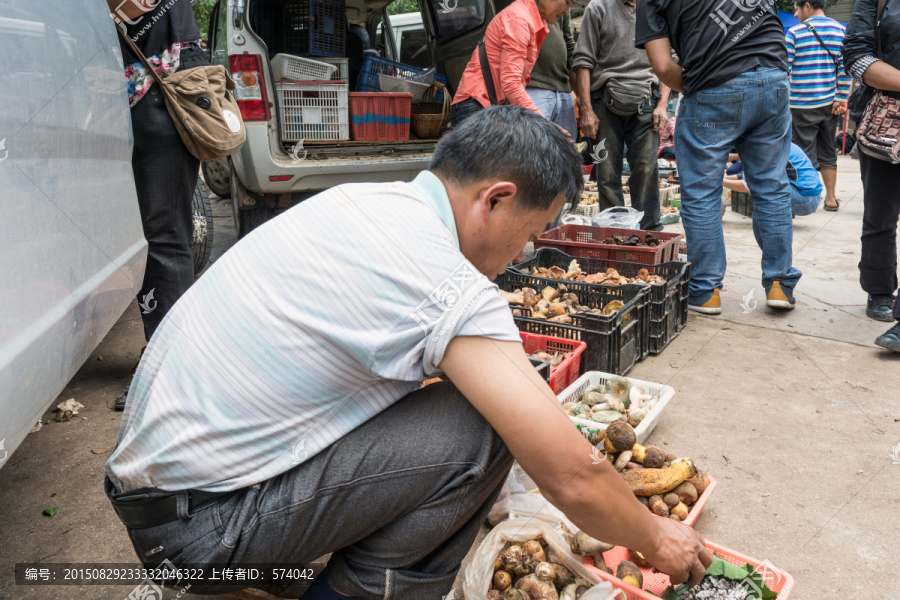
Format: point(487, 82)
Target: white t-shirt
point(304, 330)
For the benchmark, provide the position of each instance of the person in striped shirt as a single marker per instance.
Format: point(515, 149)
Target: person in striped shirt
point(819, 89)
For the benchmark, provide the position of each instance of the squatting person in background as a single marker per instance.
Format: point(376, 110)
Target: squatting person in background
point(622, 103)
point(879, 69)
point(278, 414)
point(806, 188)
point(735, 86)
point(512, 43)
point(819, 88)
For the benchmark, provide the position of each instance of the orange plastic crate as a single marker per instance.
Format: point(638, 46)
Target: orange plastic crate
point(564, 374)
point(379, 116)
point(779, 581)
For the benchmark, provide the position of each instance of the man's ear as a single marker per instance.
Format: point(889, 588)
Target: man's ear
point(495, 196)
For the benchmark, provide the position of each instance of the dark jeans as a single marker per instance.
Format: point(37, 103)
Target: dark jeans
point(635, 132)
point(881, 210)
point(460, 111)
point(165, 175)
point(398, 501)
point(667, 153)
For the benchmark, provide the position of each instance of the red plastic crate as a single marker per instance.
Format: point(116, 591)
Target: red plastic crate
point(565, 373)
point(655, 583)
point(379, 116)
point(575, 240)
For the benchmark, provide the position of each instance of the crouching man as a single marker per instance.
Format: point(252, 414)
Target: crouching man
point(277, 414)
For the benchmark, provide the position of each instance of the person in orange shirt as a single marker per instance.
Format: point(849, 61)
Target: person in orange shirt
point(512, 42)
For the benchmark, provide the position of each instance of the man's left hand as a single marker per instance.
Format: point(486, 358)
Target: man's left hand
point(660, 118)
point(839, 107)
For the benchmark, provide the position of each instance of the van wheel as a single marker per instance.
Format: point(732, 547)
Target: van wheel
point(251, 219)
point(248, 219)
point(203, 227)
point(217, 174)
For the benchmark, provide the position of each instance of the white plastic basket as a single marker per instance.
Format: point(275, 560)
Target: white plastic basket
point(390, 83)
point(586, 210)
point(317, 110)
point(644, 429)
point(295, 68)
point(342, 71)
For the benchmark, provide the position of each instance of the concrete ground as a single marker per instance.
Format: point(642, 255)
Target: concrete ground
point(797, 415)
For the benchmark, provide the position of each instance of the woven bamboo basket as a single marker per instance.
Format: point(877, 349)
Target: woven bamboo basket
point(429, 119)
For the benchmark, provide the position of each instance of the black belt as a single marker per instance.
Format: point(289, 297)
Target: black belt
point(143, 510)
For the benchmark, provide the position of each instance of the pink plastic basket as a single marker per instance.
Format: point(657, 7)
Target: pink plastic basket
point(565, 373)
point(697, 508)
point(655, 583)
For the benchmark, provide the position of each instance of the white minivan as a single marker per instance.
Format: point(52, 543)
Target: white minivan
point(264, 178)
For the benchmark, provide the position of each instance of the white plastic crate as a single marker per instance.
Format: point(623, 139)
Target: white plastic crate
point(400, 85)
point(317, 110)
point(296, 68)
point(342, 70)
point(587, 210)
point(645, 428)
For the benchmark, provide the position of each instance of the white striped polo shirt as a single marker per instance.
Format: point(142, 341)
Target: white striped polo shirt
point(311, 325)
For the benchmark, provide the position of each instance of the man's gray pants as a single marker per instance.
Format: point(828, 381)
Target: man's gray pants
point(636, 132)
point(398, 501)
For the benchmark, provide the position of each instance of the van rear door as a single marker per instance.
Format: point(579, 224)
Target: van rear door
point(455, 28)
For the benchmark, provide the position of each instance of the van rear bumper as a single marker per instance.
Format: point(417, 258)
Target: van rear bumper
point(258, 160)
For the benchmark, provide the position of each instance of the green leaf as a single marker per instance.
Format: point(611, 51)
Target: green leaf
point(51, 511)
point(721, 568)
point(672, 593)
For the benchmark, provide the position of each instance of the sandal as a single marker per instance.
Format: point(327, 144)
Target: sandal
point(835, 208)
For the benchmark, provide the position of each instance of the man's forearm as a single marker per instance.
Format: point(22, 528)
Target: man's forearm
point(670, 75)
point(736, 185)
point(664, 93)
point(583, 89)
point(882, 76)
point(660, 54)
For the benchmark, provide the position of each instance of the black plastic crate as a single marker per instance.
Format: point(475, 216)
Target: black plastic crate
point(542, 367)
point(668, 303)
point(266, 19)
point(614, 342)
point(741, 203)
point(300, 27)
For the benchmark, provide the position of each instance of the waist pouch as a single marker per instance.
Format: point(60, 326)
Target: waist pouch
point(626, 98)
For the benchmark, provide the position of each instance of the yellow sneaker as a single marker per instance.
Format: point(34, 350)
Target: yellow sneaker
point(779, 297)
point(713, 306)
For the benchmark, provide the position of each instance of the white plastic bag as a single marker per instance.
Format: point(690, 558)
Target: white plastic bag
point(480, 571)
point(520, 498)
point(622, 217)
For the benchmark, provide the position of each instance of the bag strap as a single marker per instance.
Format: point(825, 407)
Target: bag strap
point(156, 77)
point(881, 4)
point(486, 73)
point(813, 31)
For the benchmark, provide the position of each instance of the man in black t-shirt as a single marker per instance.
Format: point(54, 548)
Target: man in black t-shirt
point(735, 95)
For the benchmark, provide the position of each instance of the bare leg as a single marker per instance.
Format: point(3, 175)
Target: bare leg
point(829, 176)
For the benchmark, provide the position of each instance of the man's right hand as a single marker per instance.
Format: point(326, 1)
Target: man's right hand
point(589, 123)
point(680, 552)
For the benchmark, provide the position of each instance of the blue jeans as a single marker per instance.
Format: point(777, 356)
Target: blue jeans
point(558, 107)
point(749, 113)
point(803, 205)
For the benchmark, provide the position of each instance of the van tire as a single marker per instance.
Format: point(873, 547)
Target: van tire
point(217, 174)
point(251, 219)
point(203, 228)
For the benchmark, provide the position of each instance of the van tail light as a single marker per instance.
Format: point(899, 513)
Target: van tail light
point(250, 86)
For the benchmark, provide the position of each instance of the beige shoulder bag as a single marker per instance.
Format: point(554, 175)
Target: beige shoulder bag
point(203, 109)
